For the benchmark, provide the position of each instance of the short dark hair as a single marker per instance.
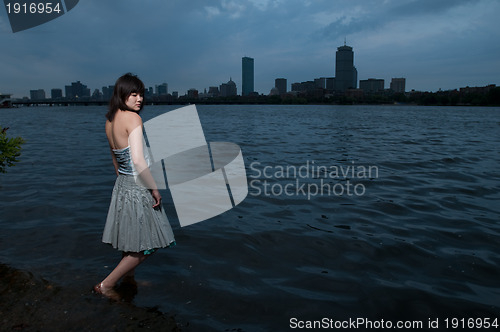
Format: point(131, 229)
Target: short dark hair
point(124, 87)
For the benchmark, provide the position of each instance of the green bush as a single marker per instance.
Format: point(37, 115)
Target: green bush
point(10, 149)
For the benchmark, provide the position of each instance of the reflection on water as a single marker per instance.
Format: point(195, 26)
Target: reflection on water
point(420, 242)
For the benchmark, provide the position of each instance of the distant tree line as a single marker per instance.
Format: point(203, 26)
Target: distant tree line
point(475, 96)
point(490, 97)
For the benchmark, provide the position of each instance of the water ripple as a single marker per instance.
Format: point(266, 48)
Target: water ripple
point(422, 240)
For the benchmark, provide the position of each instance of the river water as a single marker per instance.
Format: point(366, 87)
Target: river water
point(377, 212)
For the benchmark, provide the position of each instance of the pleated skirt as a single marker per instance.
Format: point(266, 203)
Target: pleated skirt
point(132, 225)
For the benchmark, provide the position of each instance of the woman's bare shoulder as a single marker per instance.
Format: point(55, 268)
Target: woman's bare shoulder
point(126, 117)
point(131, 121)
point(133, 115)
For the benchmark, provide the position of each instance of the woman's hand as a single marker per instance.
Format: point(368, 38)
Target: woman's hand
point(157, 197)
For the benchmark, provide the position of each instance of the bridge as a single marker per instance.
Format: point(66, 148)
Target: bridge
point(51, 102)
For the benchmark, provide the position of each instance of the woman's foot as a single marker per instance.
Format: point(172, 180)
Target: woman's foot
point(106, 291)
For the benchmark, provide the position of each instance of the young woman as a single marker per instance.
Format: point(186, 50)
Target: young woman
point(136, 223)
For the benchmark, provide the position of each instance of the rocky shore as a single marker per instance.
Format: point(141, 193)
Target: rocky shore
point(30, 303)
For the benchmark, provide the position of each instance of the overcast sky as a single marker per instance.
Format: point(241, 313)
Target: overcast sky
point(434, 44)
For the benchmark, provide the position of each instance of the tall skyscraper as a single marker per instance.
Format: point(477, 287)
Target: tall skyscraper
point(346, 75)
point(247, 76)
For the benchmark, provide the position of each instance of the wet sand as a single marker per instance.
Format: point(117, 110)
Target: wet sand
point(30, 303)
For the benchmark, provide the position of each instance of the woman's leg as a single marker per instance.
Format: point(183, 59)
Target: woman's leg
point(126, 267)
point(131, 273)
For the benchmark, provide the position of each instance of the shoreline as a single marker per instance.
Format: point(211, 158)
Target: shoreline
point(31, 303)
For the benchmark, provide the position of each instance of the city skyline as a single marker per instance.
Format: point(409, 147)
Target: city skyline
point(345, 78)
point(344, 61)
point(343, 83)
point(434, 45)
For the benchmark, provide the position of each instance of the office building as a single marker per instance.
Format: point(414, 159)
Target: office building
point(56, 93)
point(77, 90)
point(320, 82)
point(330, 84)
point(398, 85)
point(304, 86)
point(247, 74)
point(107, 92)
point(37, 94)
point(309, 88)
point(192, 93)
point(228, 89)
point(97, 95)
point(213, 91)
point(162, 89)
point(280, 84)
point(372, 85)
point(346, 75)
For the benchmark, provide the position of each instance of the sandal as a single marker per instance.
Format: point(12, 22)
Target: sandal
point(97, 289)
point(110, 294)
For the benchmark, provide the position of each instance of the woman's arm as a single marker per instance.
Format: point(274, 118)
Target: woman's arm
point(137, 155)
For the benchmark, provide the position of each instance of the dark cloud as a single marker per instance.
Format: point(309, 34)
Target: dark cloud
point(378, 15)
point(424, 7)
point(200, 43)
